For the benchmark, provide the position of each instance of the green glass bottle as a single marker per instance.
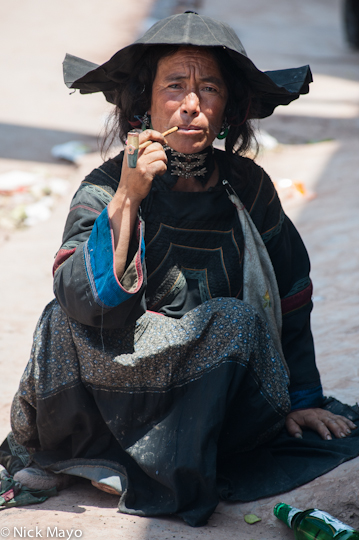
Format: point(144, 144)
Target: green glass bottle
point(314, 524)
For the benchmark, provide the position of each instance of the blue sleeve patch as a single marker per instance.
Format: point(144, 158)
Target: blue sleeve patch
point(306, 399)
point(100, 265)
point(143, 248)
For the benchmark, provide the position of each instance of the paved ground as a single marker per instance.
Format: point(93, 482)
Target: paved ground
point(318, 147)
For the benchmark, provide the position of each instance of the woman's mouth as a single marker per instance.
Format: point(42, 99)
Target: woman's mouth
point(189, 129)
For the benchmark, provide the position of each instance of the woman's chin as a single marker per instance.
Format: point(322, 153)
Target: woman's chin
point(189, 146)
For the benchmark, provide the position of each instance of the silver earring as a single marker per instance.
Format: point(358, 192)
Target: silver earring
point(146, 121)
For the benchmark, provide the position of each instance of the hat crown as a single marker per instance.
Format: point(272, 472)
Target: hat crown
point(190, 28)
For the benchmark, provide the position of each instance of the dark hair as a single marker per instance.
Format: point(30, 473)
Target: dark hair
point(134, 93)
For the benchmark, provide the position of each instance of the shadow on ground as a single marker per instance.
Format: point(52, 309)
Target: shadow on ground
point(31, 143)
point(295, 129)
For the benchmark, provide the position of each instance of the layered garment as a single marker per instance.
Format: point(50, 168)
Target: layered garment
point(166, 385)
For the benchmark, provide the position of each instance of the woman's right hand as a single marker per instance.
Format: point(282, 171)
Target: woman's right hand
point(151, 161)
point(133, 187)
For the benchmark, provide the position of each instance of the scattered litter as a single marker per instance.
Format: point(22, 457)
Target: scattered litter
point(13, 181)
point(27, 198)
point(18, 214)
point(266, 141)
point(263, 141)
point(58, 186)
point(251, 518)
point(51, 186)
point(288, 189)
point(71, 151)
point(39, 211)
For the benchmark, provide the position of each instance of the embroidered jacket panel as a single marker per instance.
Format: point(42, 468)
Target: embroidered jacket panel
point(88, 290)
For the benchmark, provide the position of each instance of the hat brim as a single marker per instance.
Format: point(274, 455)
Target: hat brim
point(271, 88)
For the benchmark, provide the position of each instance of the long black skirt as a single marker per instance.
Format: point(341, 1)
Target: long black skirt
point(176, 414)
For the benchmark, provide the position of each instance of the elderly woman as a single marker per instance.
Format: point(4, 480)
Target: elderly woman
point(179, 343)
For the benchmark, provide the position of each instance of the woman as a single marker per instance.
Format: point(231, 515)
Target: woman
point(183, 297)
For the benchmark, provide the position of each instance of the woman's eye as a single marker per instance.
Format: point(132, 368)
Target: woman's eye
point(174, 85)
point(209, 89)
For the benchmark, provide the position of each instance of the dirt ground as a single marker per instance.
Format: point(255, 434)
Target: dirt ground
point(316, 157)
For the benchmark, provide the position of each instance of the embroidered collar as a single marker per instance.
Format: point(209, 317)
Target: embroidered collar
point(200, 165)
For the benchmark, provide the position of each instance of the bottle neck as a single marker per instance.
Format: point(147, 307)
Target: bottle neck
point(286, 513)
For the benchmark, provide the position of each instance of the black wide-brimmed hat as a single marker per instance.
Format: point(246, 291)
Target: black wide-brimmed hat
point(272, 88)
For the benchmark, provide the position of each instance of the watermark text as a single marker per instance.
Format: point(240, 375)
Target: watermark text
point(40, 532)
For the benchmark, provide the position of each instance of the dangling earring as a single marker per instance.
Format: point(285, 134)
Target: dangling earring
point(146, 121)
point(224, 130)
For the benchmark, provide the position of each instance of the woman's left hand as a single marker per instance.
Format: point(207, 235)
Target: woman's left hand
point(323, 422)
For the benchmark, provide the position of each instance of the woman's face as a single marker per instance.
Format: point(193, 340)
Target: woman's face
point(189, 92)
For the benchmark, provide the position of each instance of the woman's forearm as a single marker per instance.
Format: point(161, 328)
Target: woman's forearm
point(122, 212)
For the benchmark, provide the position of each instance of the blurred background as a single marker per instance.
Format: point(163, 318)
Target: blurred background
point(49, 142)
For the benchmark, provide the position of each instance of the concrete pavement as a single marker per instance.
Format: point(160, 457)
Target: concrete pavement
point(318, 148)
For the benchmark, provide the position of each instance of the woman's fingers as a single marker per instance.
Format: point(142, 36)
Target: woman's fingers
point(152, 160)
point(293, 427)
point(323, 422)
point(322, 427)
point(153, 152)
point(151, 135)
point(339, 425)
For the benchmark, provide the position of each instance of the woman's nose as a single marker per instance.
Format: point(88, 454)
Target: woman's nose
point(190, 104)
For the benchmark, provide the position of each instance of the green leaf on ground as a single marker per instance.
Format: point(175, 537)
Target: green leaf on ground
point(251, 518)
